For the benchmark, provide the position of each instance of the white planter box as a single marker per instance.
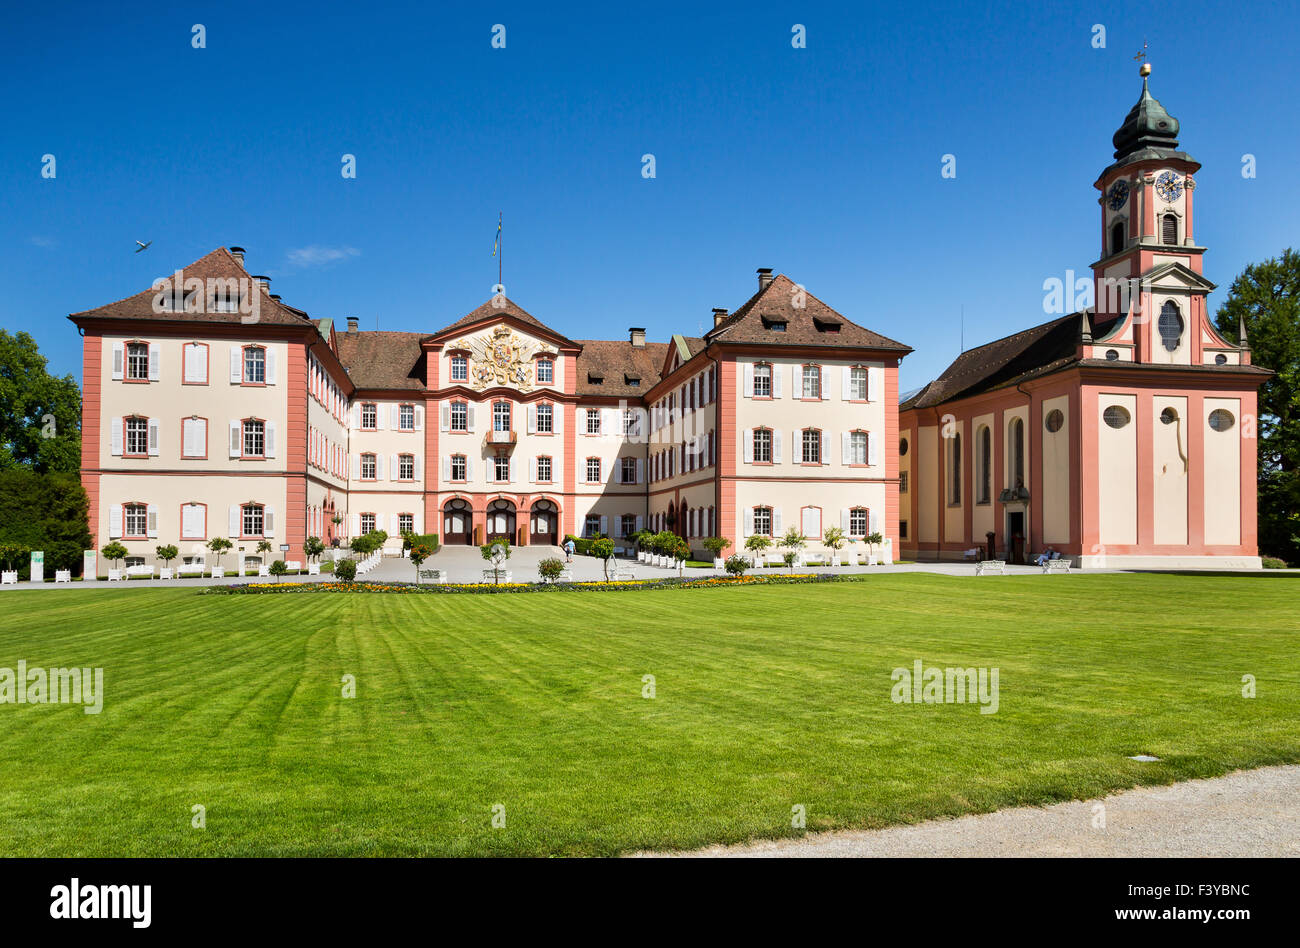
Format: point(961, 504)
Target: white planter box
point(719, 563)
point(640, 556)
point(218, 572)
point(9, 577)
point(164, 572)
point(63, 575)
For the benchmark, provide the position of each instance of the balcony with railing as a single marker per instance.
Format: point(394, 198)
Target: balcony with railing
point(501, 439)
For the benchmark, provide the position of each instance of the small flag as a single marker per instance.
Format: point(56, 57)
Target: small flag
point(497, 244)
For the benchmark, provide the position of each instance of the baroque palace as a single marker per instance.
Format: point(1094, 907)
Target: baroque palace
point(1120, 435)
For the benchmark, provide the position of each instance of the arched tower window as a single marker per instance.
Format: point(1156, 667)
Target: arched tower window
point(984, 444)
point(1117, 237)
point(1170, 325)
point(1169, 229)
point(954, 482)
point(1017, 439)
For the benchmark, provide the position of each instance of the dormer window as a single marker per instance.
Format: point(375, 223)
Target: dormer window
point(826, 325)
point(775, 324)
point(593, 379)
point(632, 381)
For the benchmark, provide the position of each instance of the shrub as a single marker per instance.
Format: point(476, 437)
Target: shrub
point(716, 545)
point(219, 545)
point(426, 539)
point(13, 555)
point(581, 545)
point(418, 554)
point(603, 547)
point(757, 543)
point(279, 568)
point(1272, 562)
point(346, 570)
point(313, 547)
point(550, 569)
point(167, 553)
point(115, 551)
point(736, 565)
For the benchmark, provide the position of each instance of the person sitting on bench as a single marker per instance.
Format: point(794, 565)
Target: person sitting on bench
point(1047, 554)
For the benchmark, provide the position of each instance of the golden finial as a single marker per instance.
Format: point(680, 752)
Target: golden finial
point(1145, 70)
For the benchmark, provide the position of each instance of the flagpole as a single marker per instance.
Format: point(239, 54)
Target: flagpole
point(501, 253)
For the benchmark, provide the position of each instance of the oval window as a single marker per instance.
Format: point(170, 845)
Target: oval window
point(1169, 416)
point(1054, 420)
point(1221, 419)
point(1170, 325)
point(1112, 355)
point(1116, 416)
point(1220, 359)
point(902, 447)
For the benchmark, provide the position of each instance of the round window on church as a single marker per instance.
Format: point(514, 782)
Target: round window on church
point(902, 447)
point(1168, 416)
point(1054, 420)
point(1112, 355)
point(1221, 419)
point(1116, 416)
point(1170, 325)
point(1220, 359)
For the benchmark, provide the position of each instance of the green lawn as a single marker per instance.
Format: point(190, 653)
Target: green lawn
point(766, 698)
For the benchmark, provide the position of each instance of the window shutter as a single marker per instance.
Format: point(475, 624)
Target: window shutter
point(777, 529)
point(270, 439)
point(394, 417)
point(115, 436)
point(844, 520)
point(117, 361)
point(532, 470)
point(469, 468)
point(356, 524)
point(153, 437)
point(846, 447)
point(446, 468)
point(469, 417)
point(557, 417)
point(826, 382)
point(1170, 229)
point(236, 439)
point(379, 467)
point(826, 446)
point(419, 466)
point(749, 446)
point(875, 523)
point(776, 381)
point(640, 471)
point(152, 522)
point(558, 372)
point(875, 378)
point(873, 454)
point(268, 521)
point(356, 467)
point(511, 471)
point(419, 417)
point(379, 417)
point(234, 524)
point(446, 416)
point(187, 438)
point(271, 356)
point(354, 417)
point(532, 419)
point(749, 521)
point(393, 528)
point(639, 523)
point(236, 365)
point(776, 445)
point(114, 521)
point(155, 361)
point(604, 525)
point(394, 472)
point(846, 383)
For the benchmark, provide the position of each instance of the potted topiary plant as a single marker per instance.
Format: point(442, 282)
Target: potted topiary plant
point(219, 545)
point(757, 545)
point(736, 565)
point(792, 543)
point(872, 540)
point(716, 546)
point(603, 547)
point(167, 552)
point(679, 553)
point(418, 553)
point(834, 539)
point(278, 568)
point(496, 551)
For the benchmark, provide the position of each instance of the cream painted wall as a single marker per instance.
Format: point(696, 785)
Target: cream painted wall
point(1222, 474)
point(527, 346)
point(982, 514)
point(927, 482)
point(1055, 495)
point(788, 500)
point(168, 401)
point(1117, 464)
point(387, 442)
point(1169, 451)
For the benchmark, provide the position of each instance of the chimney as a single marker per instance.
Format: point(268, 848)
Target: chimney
point(719, 314)
point(352, 324)
point(265, 281)
point(238, 254)
point(637, 336)
point(764, 277)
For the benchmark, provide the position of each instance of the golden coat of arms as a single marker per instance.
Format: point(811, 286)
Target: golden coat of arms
point(501, 358)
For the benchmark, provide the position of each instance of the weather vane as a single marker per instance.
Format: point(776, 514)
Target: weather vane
point(1142, 53)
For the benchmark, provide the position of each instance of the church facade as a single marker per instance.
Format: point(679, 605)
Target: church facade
point(1122, 435)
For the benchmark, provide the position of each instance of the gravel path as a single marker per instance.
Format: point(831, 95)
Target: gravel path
point(1248, 813)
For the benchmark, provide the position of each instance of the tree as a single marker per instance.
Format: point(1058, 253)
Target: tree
point(550, 568)
point(40, 415)
point(496, 551)
point(716, 545)
point(1264, 300)
point(45, 512)
point(873, 539)
point(680, 550)
point(792, 543)
point(13, 555)
point(418, 554)
point(167, 552)
point(834, 538)
point(604, 548)
point(756, 545)
point(312, 547)
point(219, 545)
point(113, 552)
point(278, 568)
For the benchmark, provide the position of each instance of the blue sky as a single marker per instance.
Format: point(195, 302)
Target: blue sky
point(823, 163)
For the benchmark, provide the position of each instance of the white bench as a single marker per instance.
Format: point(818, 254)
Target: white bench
point(295, 566)
point(9, 577)
point(623, 572)
point(490, 576)
point(264, 570)
point(1056, 566)
point(115, 575)
point(140, 570)
point(434, 575)
point(63, 575)
point(165, 572)
point(991, 567)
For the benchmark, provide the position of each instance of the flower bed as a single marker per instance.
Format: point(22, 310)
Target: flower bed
point(439, 589)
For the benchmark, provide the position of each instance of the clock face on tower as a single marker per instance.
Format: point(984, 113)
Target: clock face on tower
point(1117, 197)
point(1168, 186)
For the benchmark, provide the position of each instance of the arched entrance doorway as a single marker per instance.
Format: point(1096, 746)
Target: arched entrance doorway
point(457, 523)
point(500, 520)
point(544, 524)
